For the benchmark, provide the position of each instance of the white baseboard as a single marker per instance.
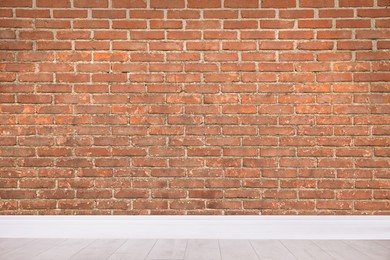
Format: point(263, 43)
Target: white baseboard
point(197, 227)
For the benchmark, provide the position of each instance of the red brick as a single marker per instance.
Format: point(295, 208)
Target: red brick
point(33, 13)
point(203, 3)
point(263, 204)
point(167, 4)
point(184, 14)
point(221, 14)
point(112, 14)
point(186, 107)
point(205, 25)
point(241, 4)
point(16, 46)
point(336, 13)
point(296, 35)
point(256, 35)
point(316, 4)
point(240, 24)
point(314, 23)
point(91, 3)
point(356, 3)
point(278, 4)
point(48, 3)
point(146, 13)
point(7, 34)
point(353, 23)
point(16, 3)
point(276, 24)
point(128, 3)
point(93, 24)
point(128, 24)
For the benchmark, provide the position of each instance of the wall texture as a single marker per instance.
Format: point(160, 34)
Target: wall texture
point(194, 107)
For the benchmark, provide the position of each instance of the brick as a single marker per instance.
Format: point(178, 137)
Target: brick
point(315, 45)
point(128, 24)
point(38, 204)
point(54, 46)
point(53, 4)
point(110, 56)
point(296, 35)
point(146, 14)
point(16, 3)
point(241, 4)
point(203, 3)
point(205, 25)
point(128, 3)
point(16, 46)
point(73, 35)
point(93, 24)
point(167, 4)
point(358, 3)
point(354, 45)
point(33, 13)
point(296, 56)
point(372, 34)
point(16, 23)
point(7, 34)
point(257, 35)
point(373, 13)
point(112, 14)
point(336, 13)
point(276, 24)
point(263, 204)
point(278, 4)
point(90, 4)
point(353, 23)
point(383, 2)
point(371, 206)
point(166, 46)
point(70, 13)
point(314, 23)
point(240, 24)
point(186, 107)
point(204, 46)
point(165, 24)
point(184, 14)
point(311, 4)
point(6, 13)
point(290, 14)
point(221, 14)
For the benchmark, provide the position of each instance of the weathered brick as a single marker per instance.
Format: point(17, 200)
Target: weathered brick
point(194, 107)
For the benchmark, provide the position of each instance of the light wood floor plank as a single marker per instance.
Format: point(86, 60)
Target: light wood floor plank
point(340, 250)
point(115, 249)
point(9, 244)
point(271, 249)
point(237, 249)
point(370, 248)
point(306, 250)
point(99, 249)
point(134, 249)
point(385, 243)
point(64, 250)
point(31, 249)
point(168, 249)
point(202, 249)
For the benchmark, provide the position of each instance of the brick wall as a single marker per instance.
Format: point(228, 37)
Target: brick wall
point(194, 107)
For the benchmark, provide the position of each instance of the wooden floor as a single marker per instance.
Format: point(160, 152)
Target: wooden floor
point(54, 249)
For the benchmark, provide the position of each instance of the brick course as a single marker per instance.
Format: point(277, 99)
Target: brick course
point(194, 107)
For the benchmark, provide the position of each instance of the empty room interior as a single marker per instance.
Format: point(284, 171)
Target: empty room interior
point(195, 129)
